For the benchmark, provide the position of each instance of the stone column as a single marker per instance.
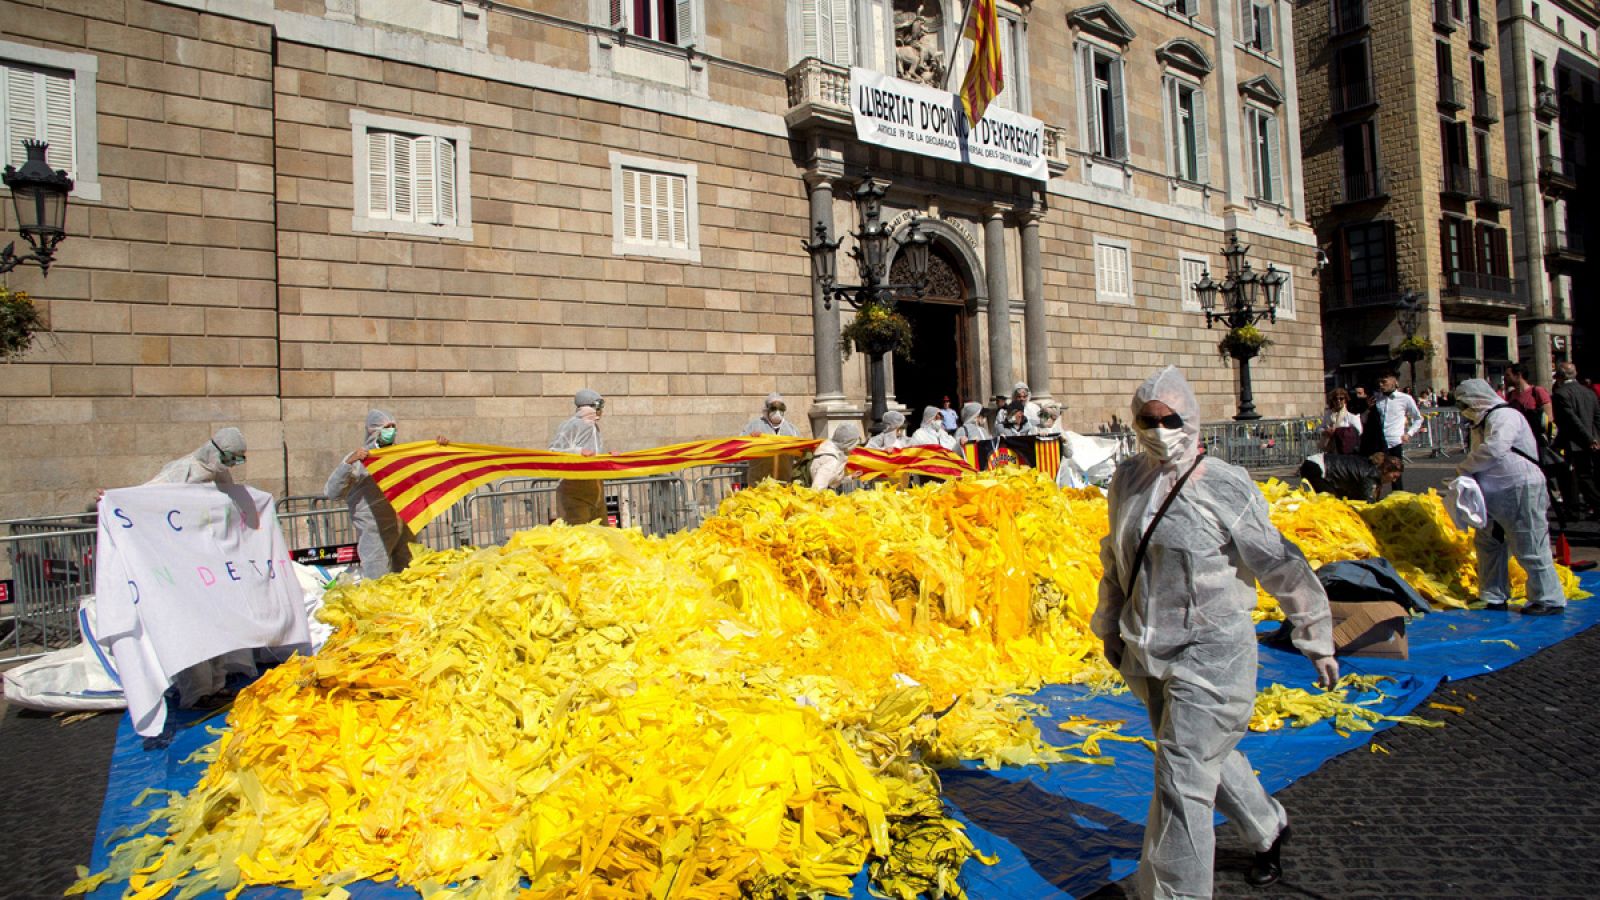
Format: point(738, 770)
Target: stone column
point(994, 262)
point(828, 367)
point(1036, 337)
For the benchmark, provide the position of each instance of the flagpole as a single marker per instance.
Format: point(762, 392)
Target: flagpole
point(961, 35)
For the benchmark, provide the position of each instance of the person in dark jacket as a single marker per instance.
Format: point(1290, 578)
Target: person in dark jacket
point(1350, 476)
point(1577, 415)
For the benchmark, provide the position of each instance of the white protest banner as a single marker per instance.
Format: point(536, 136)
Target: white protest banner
point(919, 119)
point(185, 573)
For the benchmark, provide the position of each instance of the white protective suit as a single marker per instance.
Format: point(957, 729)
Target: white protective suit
point(1190, 648)
point(204, 466)
point(1514, 494)
point(581, 501)
point(893, 435)
point(932, 433)
point(779, 467)
point(383, 542)
point(971, 424)
point(828, 463)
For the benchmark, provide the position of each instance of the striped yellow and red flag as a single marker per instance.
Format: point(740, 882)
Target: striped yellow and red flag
point(985, 77)
point(936, 462)
point(1047, 455)
point(423, 479)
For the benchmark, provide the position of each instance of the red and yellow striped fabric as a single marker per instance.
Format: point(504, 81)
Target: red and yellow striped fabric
point(936, 462)
point(1047, 455)
point(985, 77)
point(423, 479)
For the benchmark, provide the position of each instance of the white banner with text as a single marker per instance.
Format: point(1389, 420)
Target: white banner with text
point(185, 573)
point(915, 118)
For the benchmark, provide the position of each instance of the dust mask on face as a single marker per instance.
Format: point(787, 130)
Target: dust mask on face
point(1162, 443)
point(775, 417)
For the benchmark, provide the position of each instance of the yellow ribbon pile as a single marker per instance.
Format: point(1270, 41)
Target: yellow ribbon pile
point(753, 708)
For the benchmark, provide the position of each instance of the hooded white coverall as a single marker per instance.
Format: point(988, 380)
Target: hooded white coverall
point(1190, 647)
point(779, 467)
point(383, 542)
point(828, 463)
point(893, 436)
point(579, 502)
point(932, 433)
point(204, 466)
point(971, 424)
point(1515, 495)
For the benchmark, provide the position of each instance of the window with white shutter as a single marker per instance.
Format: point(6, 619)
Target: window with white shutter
point(1113, 276)
point(1191, 268)
point(1258, 24)
point(667, 21)
point(413, 177)
point(37, 105)
point(49, 95)
point(654, 208)
point(1187, 149)
point(1286, 308)
point(1266, 167)
point(1105, 103)
point(826, 30)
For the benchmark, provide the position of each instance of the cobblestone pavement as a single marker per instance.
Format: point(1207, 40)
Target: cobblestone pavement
point(53, 778)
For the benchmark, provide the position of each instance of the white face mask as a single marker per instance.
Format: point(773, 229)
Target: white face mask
point(1162, 443)
point(775, 417)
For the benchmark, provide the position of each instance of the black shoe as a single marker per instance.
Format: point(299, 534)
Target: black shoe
point(1267, 868)
point(1540, 609)
point(1495, 607)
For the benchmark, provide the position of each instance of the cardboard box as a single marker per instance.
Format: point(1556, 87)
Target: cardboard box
point(1373, 628)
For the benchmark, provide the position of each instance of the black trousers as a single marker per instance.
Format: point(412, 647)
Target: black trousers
point(1399, 481)
point(1582, 482)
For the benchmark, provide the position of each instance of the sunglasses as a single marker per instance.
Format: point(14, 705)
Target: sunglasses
point(777, 407)
point(1170, 420)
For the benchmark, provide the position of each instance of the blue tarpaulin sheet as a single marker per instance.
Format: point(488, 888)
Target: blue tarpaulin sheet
point(1060, 831)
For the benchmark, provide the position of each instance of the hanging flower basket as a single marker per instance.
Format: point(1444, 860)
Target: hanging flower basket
point(20, 321)
point(877, 329)
point(1242, 343)
point(1414, 348)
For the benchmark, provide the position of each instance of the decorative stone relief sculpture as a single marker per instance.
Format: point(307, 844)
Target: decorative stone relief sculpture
point(916, 45)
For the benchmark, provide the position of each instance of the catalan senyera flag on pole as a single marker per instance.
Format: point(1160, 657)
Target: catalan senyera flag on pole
point(985, 77)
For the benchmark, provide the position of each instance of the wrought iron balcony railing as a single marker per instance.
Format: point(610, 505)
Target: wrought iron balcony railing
point(1359, 186)
point(1352, 95)
point(1485, 107)
point(1451, 94)
point(1459, 181)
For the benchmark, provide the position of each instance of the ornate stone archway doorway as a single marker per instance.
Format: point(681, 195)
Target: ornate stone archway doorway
point(944, 360)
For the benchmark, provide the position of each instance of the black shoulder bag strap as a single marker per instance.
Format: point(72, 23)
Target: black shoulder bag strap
point(1514, 449)
point(1144, 542)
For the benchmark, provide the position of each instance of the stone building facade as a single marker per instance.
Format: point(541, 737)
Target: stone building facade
point(1550, 63)
point(462, 213)
point(1406, 167)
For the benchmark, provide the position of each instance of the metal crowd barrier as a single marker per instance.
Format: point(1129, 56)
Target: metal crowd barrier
point(714, 484)
point(48, 564)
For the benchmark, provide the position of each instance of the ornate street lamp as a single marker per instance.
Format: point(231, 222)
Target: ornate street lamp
point(1408, 310)
point(40, 196)
point(1247, 298)
point(874, 297)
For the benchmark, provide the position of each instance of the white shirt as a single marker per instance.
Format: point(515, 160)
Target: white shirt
point(1401, 418)
point(1341, 418)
